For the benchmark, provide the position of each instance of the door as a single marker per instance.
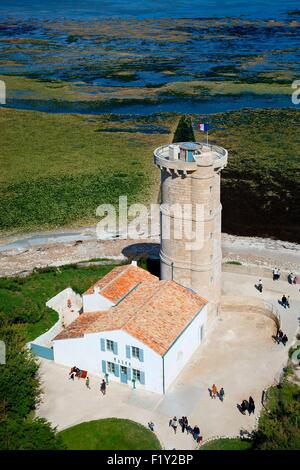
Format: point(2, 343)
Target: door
point(123, 375)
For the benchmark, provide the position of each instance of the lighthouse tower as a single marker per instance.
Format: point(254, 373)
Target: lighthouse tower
point(190, 180)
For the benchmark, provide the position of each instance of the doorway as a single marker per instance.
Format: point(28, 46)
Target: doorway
point(123, 375)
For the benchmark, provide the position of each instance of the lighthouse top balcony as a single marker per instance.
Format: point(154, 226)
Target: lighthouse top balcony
point(187, 156)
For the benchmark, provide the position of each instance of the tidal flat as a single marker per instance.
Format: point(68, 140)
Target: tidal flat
point(106, 64)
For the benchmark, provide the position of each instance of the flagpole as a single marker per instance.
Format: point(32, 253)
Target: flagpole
point(207, 137)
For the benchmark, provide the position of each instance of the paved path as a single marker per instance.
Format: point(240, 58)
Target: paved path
point(239, 355)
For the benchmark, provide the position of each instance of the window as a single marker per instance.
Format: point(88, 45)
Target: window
point(111, 367)
point(135, 352)
point(109, 345)
point(124, 370)
point(136, 375)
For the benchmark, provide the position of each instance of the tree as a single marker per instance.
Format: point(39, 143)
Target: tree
point(184, 131)
point(22, 434)
point(19, 395)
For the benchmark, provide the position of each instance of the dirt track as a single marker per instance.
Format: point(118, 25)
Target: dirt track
point(20, 254)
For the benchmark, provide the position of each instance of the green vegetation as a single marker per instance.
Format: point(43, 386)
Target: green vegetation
point(68, 92)
point(23, 316)
point(260, 185)
point(56, 169)
point(279, 424)
point(228, 444)
point(236, 263)
point(22, 299)
point(184, 131)
point(19, 395)
point(109, 434)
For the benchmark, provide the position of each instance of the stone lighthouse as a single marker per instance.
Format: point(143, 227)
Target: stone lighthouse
point(190, 206)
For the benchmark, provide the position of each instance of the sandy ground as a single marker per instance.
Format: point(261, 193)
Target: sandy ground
point(239, 354)
point(20, 254)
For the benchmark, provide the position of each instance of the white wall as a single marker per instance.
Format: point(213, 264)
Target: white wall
point(59, 304)
point(86, 354)
point(95, 302)
point(183, 348)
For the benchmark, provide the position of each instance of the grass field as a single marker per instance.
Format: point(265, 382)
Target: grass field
point(227, 444)
point(109, 434)
point(57, 168)
point(22, 300)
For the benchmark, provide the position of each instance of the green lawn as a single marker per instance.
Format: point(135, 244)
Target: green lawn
point(227, 444)
point(22, 300)
point(109, 434)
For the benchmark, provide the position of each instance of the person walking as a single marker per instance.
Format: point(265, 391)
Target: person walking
point(279, 336)
point(196, 433)
point(244, 406)
point(214, 391)
point(182, 424)
point(151, 426)
point(284, 301)
point(284, 340)
point(186, 422)
point(260, 286)
point(87, 382)
point(251, 406)
point(174, 423)
point(221, 394)
point(103, 387)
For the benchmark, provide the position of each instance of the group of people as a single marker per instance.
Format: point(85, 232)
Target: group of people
point(281, 338)
point(247, 405)
point(214, 393)
point(292, 279)
point(76, 372)
point(185, 426)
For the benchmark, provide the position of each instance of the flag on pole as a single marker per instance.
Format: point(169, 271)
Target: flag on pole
point(202, 127)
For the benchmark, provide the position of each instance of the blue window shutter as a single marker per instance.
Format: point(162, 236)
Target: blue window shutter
point(117, 367)
point(102, 343)
point(128, 373)
point(141, 354)
point(115, 348)
point(128, 352)
point(142, 379)
point(103, 367)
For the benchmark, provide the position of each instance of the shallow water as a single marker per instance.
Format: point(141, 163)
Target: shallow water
point(146, 8)
point(79, 41)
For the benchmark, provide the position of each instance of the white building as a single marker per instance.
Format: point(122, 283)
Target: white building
point(134, 327)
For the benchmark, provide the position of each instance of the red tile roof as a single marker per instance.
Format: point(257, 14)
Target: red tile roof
point(155, 313)
point(119, 282)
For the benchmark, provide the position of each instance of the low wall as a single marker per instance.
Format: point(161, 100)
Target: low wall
point(255, 306)
point(42, 351)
